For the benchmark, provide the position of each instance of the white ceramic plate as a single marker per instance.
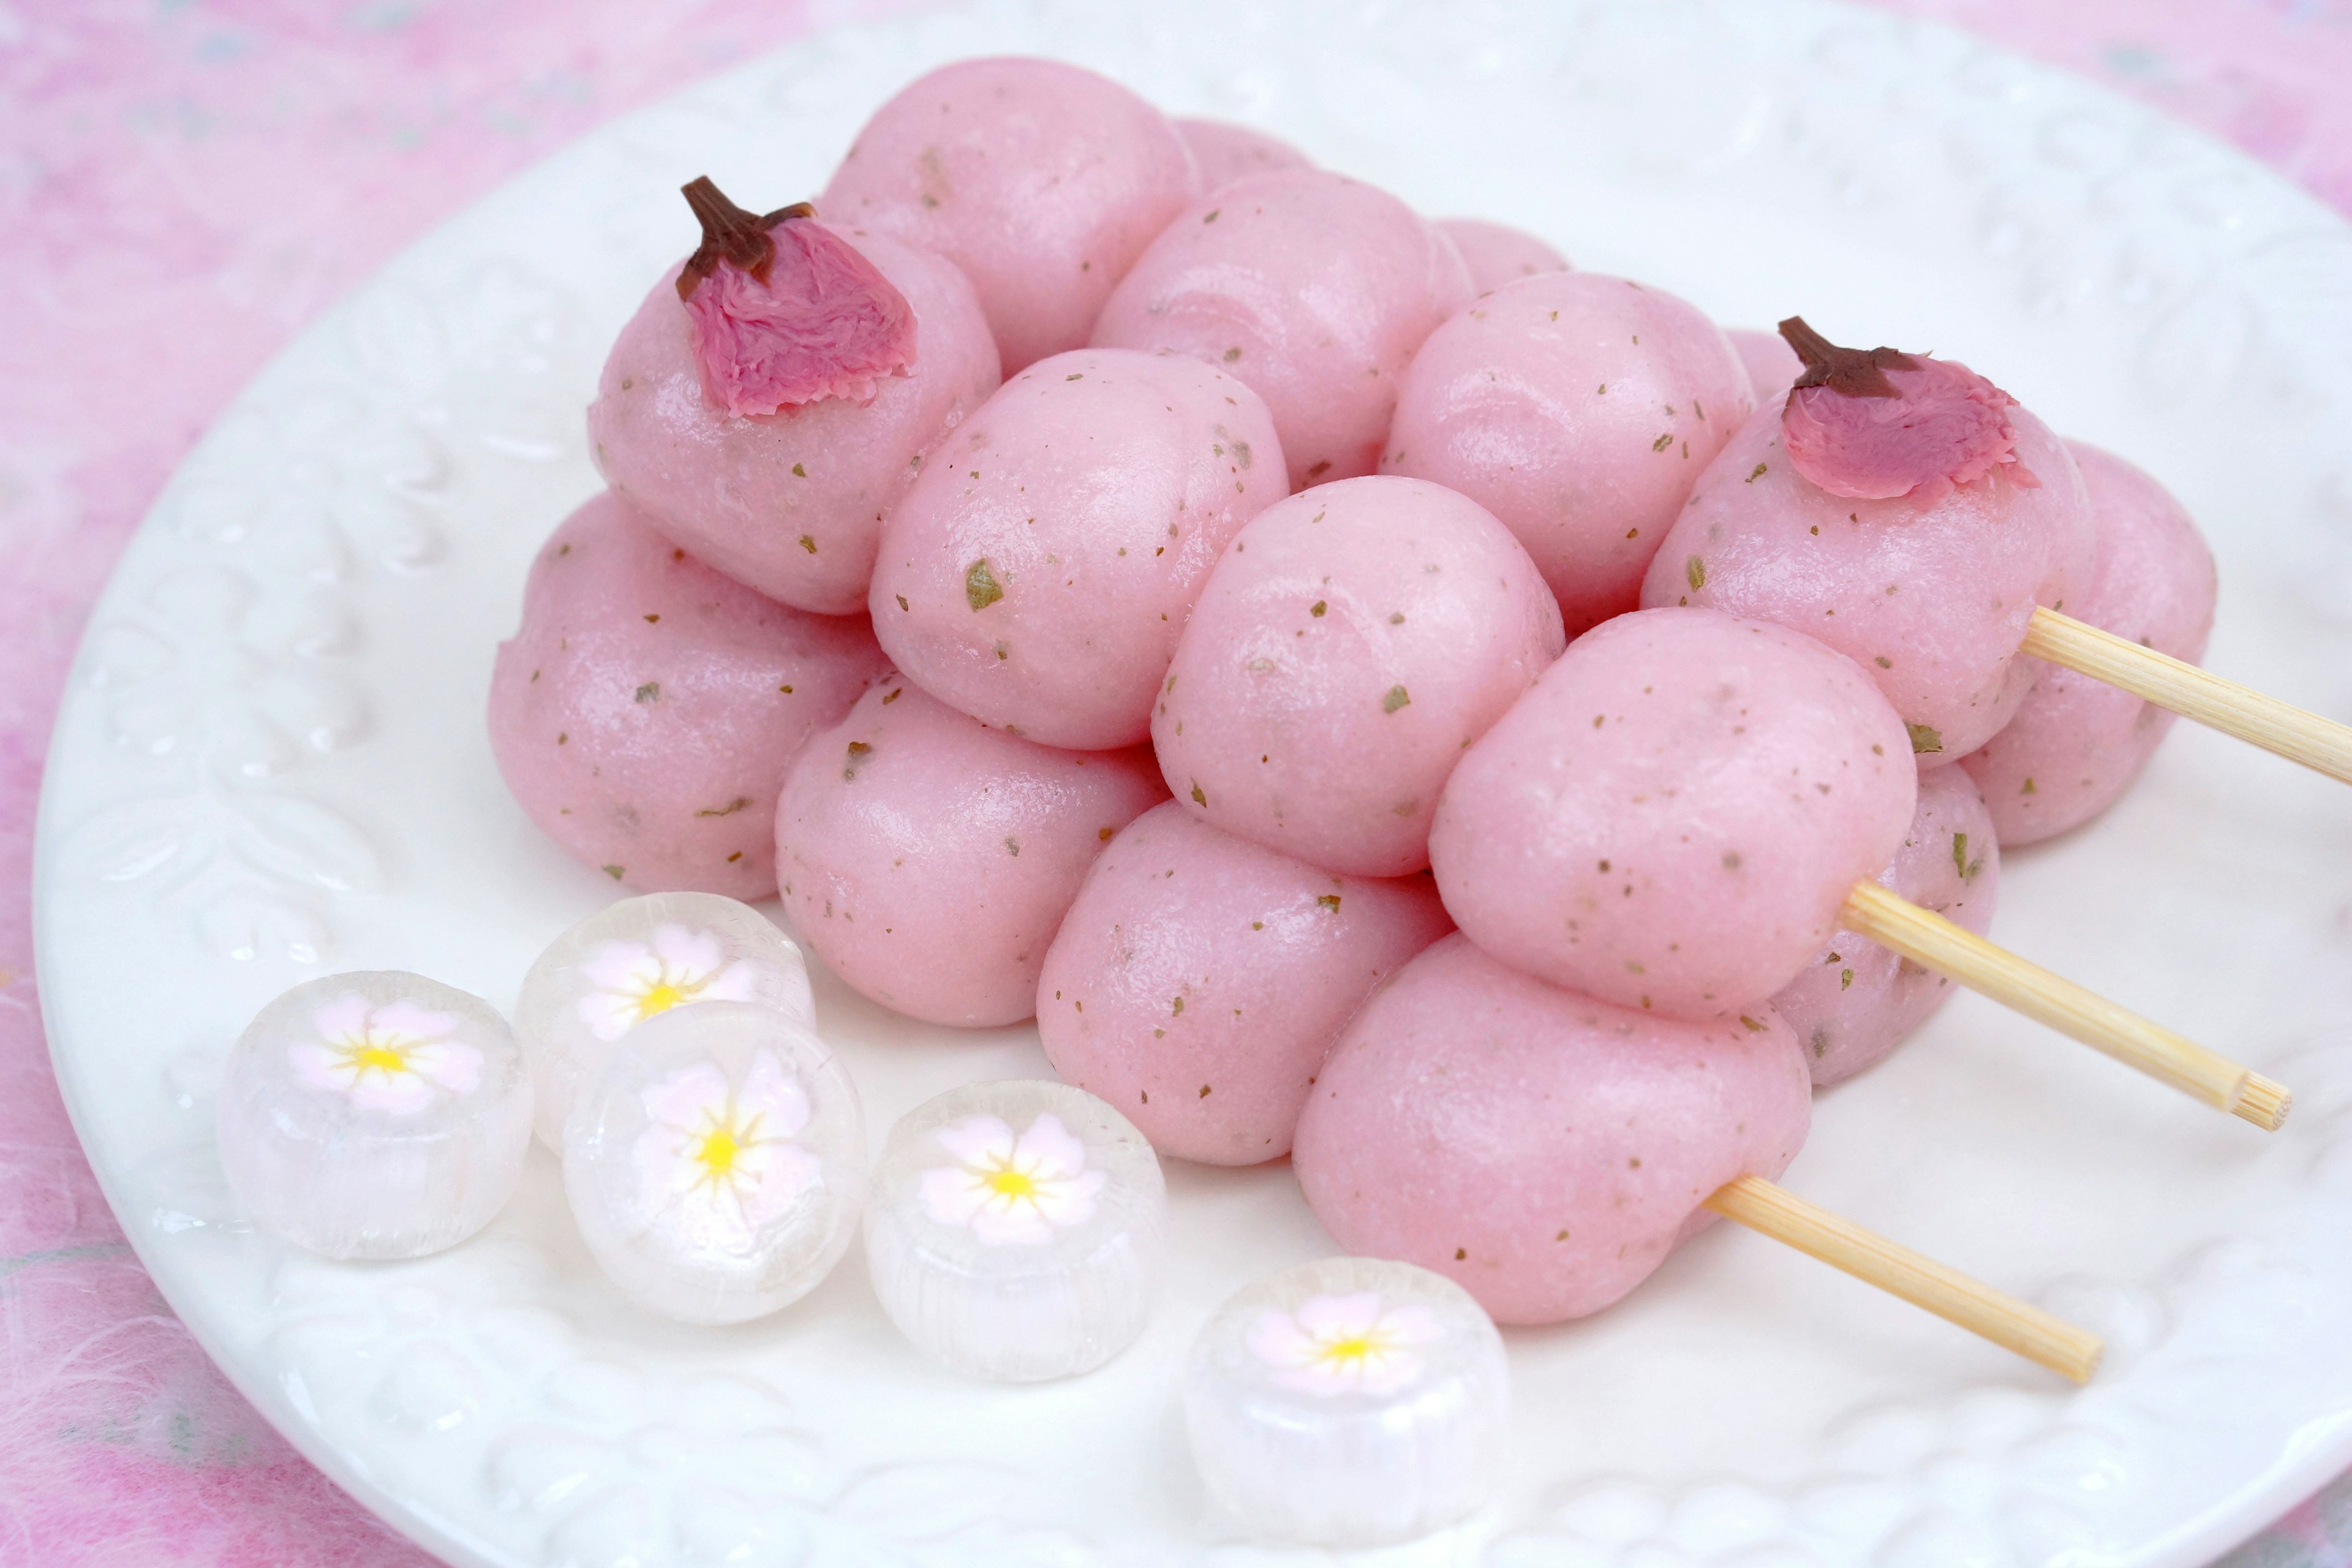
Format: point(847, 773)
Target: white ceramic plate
point(272, 763)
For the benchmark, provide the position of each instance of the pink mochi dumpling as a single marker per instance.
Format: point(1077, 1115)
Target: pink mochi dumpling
point(2077, 743)
point(1672, 818)
point(1200, 981)
point(1772, 365)
point(791, 503)
point(1544, 1150)
point(1042, 181)
point(1352, 641)
point(1931, 597)
point(1580, 409)
point(1498, 254)
point(1314, 288)
point(645, 712)
point(1037, 574)
point(1224, 152)
point(1856, 1001)
point(927, 859)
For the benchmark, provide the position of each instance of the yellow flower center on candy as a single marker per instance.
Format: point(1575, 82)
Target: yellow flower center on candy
point(1355, 1349)
point(659, 998)
point(718, 1151)
point(381, 1057)
point(1010, 1184)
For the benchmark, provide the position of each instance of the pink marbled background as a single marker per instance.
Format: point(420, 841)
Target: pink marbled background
point(184, 184)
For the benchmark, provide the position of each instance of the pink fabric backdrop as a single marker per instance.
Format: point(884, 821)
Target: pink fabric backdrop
point(184, 184)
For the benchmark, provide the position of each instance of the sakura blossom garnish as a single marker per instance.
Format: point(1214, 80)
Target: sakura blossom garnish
point(1356, 1343)
point(1011, 1189)
point(629, 981)
point(786, 311)
point(1875, 423)
point(393, 1057)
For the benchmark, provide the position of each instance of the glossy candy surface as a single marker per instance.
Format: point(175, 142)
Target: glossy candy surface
point(1224, 151)
point(1580, 409)
point(376, 1114)
point(633, 960)
point(790, 503)
point(1543, 1150)
point(1349, 1402)
point(716, 1164)
point(1042, 181)
point(1931, 596)
point(1498, 254)
point(2077, 743)
point(646, 710)
point(1037, 574)
point(1672, 818)
point(1199, 980)
point(1017, 1230)
point(1856, 1001)
point(1314, 288)
point(927, 859)
point(1354, 638)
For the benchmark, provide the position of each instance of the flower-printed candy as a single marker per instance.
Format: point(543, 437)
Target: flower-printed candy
point(636, 960)
point(1351, 1402)
point(1017, 1229)
point(375, 1115)
point(717, 1161)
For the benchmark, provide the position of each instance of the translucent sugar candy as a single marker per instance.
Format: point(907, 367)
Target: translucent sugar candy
point(1017, 1229)
point(1350, 1402)
point(376, 1114)
point(717, 1161)
point(633, 960)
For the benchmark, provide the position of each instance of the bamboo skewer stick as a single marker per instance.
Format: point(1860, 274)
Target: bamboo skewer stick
point(2194, 693)
point(1929, 938)
point(2012, 1324)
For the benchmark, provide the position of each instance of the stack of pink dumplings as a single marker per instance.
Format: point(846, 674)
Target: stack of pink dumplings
point(1372, 693)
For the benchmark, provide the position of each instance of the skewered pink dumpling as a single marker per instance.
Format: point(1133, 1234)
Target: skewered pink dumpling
point(1580, 409)
point(1672, 820)
point(1354, 638)
point(1498, 254)
point(1224, 152)
point(1199, 980)
point(1856, 1002)
point(1911, 519)
point(1542, 1150)
point(1042, 181)
point(646, 710)
point(1772, 365)
point(927, 859)
point(1314, 288)
point(2077, 743)
point(1037, 576)
point(766, 423)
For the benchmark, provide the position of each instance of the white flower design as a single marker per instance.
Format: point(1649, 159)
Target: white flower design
point(1012, 1191)
point(1345, 1344)
point(719, 1161)
point(394, 1058)
point(629, 981)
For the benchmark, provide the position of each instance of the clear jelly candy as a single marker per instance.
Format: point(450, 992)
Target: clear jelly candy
point(716, 1163)
point(376, 1114)
point(1350, 1402)
point(636, 960)
point(1017, 1229)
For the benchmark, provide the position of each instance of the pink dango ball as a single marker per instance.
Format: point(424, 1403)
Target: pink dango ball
point(928, 860)
point(646, 711)
point(1498, 254)
point(1672, 818)
point(1913, 531)
point(1037, 574)
point(1580, 409)
point(1856, 1001)
point(1042, 181)
point(1199, 981)
point(2077, 743)
point(1772, 365)
point(767, 424)
point(1543, 1150)
point(1352, 641)
point(1314, 288)
point(1224, 152)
